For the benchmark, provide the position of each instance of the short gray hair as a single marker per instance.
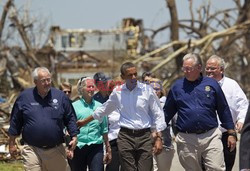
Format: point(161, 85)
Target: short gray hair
point(81, 83)
point(196, 57)
point(220, 60)
point(36, 70)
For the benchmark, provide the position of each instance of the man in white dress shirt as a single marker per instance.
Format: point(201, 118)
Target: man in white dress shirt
point(236, 100)
point(135, 100)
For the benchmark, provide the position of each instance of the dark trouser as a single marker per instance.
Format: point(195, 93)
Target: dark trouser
point(115, 163)
point(135, 149)
point(228, 156)
point(91, 156)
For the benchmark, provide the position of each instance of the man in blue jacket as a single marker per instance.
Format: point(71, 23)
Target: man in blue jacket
point(197, 100)
point(40, 114)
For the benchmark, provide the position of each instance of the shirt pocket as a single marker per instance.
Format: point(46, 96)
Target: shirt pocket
point(55, 113)
point(207, 98)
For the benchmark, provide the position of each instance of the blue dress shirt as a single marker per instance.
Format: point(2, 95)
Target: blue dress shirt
point(197, 103)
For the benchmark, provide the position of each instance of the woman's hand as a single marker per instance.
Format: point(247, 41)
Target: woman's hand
point(108, 156)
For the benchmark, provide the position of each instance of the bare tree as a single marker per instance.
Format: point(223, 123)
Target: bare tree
point(225, 32)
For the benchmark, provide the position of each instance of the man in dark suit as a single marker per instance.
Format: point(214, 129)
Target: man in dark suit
point(244, 144)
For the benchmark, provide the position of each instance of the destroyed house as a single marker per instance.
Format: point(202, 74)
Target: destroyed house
point(123, 41)
point(89, 51)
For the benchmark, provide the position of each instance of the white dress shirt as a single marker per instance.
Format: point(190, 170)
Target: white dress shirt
point(113, 122)
point(236, 99)
point(135, 107)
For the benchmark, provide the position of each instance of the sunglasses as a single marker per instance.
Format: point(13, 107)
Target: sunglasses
point(82, 78)
point(67, 92)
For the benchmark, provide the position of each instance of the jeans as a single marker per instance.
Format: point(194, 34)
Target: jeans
point(88, 156)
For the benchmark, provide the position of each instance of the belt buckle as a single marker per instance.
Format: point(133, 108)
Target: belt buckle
point(199, 131)
point(45, 146)
point(134, 131)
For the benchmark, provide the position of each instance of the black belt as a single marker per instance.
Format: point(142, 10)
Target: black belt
point(46, 147)
point(198, 131)
point(135, 131)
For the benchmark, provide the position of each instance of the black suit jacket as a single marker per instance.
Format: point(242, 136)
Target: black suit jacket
point(245, 143)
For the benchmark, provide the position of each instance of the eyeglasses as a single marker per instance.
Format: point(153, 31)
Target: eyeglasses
point(43, 81)
point(211, 68)
point(188, 69)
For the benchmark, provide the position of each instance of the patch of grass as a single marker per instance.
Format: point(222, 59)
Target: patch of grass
point(11, 166)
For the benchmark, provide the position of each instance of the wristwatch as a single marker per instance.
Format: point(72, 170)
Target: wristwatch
point(233, 134)
point(158, 136)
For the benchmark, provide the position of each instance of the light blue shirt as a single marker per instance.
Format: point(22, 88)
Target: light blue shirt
point(93, 131)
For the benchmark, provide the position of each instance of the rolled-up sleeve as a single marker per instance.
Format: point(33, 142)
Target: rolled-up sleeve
point(109, 106)
point(157, 112)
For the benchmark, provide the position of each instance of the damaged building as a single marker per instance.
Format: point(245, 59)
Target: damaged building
point(84, 52)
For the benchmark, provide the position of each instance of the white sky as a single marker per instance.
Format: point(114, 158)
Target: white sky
point(107, 14)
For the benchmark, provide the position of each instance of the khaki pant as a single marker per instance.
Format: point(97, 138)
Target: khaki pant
point(163, 161)
point(192, 148)
point(37, 159)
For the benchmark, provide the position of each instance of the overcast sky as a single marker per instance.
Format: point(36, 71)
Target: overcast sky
point(107, 14)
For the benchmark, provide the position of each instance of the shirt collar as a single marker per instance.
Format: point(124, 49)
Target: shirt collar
point(222, 81)
point(86, 104)
point(195, 81)
point(36, 92)
point(138, 85)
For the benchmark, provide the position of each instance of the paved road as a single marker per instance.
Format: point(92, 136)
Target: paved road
point(176, 166)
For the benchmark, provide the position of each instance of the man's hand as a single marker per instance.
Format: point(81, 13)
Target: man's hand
point(12, 146)
point(154, 134)
point(81, 123)
point(13, 150)
point(157, 146)
point(69, 153)
point(73, 143)
point(231, 142)
point(238, 126)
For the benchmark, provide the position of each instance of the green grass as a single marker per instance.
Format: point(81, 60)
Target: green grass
point(11, 166)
